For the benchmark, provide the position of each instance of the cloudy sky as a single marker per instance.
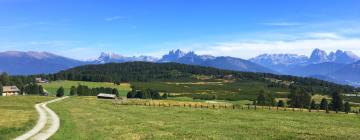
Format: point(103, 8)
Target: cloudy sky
point(82, 29)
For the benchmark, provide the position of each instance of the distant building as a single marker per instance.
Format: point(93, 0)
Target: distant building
point(10, 91)
point(106, 96)
point(40, 80)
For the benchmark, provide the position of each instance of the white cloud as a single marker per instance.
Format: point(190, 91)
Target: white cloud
point(250, 49)
point(114, 18)
point(323, 35)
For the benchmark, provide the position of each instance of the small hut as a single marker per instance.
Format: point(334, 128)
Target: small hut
point(106, 96)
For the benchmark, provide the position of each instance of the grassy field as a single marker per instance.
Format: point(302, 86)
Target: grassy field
point(54, 85)
point(89, 118)
point(17, 115)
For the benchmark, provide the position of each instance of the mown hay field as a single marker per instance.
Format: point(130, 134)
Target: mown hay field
point(90, 118)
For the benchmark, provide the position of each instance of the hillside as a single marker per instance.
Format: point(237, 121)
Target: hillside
point(145, 72)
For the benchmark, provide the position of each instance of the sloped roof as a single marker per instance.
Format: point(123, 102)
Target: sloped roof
point(106, 95)
point(10, 89)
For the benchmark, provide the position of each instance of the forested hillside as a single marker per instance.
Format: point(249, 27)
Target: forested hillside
point(146, 72)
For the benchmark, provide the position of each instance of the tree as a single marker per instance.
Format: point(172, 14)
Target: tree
point(265, 99)
point(5, 79)
point(313, 105)
point(337, 101)
point(347, 107)
point(281, 103)
point(140, 94)
point(41, 90)
point(299, 98)
point(323, 104)
point(261, 98)
point(60, 92)
point(115, 92)
point(1, 89)
point(165, 96)
point(73, 91)
point(131, 94)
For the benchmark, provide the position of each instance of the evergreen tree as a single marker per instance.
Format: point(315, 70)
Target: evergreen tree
point(299, 98)
point(165, 96)
point(323, 104)
point(313, 105)
point(73, 91)
point(337, 102)
point(1, 89)
point(347, 107)
point(140, 95)
point(155, 95)
point(281, 103)
point(60, 92)
point(115, 92)
point(261, 99)
point(131, 94)
point(41, 90)
point(265, 99)
point(5, 79)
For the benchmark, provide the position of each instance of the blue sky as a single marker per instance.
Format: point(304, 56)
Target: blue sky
point(82, 29)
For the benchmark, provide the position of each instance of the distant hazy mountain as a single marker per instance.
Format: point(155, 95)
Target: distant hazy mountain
point(345, 57)
point(349, 74)
point(228, 63)
point(280, 62)
point(319, 65)
point(315, 69)
point(116, 58)
point(24, 63)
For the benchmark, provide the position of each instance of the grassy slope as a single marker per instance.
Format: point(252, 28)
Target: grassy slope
point(17, 115)
point(88, 118)
point(53, 86)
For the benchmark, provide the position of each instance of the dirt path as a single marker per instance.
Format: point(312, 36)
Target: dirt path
point(47, 124)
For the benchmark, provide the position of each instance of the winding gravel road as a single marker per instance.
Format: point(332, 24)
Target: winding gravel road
point(47, 124)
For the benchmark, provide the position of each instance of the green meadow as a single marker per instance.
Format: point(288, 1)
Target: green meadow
point(90, 118)
point(18, 114)
point(54, 85)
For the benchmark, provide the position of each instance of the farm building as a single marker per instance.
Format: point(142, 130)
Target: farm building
point(106, 96)
point(40, 80)
point(10, 91)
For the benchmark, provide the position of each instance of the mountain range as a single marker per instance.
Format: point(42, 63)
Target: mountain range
point(25, 63)
point(319, 65)
point(341, 66)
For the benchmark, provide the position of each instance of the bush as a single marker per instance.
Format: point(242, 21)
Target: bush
point(281, 103)
point(60, 92)
point(324, 104)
